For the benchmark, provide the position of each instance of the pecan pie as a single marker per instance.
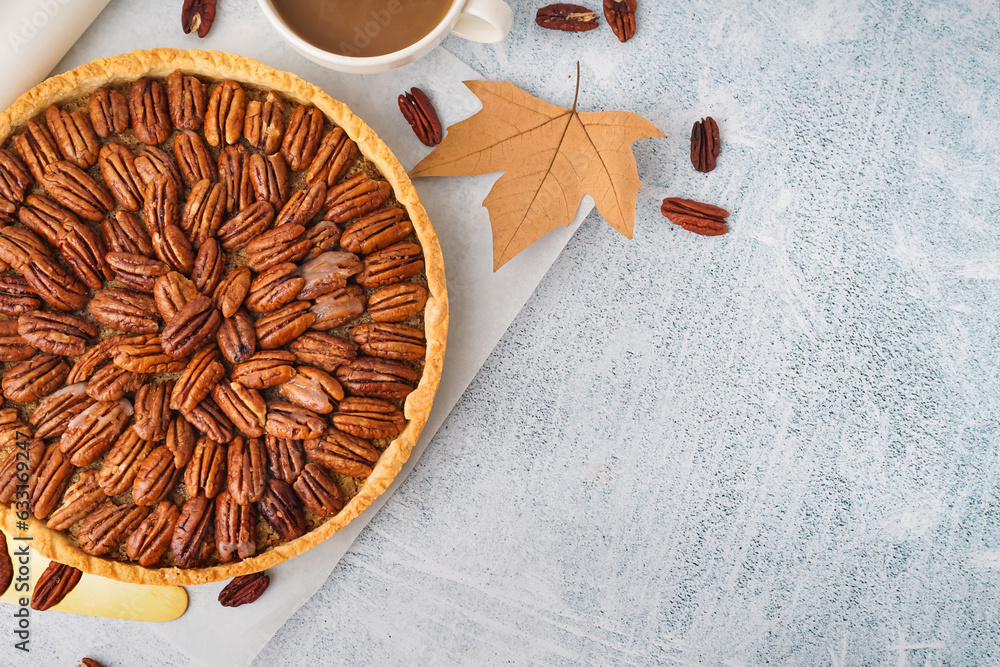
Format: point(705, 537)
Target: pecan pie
point(223, 312)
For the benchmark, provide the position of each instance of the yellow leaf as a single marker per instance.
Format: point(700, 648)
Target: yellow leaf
point(550, 157)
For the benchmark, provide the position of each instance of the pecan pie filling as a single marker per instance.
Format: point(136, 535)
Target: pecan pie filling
point(213, 315)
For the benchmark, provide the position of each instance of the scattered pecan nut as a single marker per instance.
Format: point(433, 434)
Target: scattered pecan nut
point(55, 332)
point(144, 354)
point(281, 244)
point(197, 16)
point(275, 287)
point(247, 225)
point(696, 217)
point(566, 18)
point(45, 217)
point(302, 206)
point(211, 421)
point(136, 271)
point(83, 250)
point(54, 585)
point(620, 15)
point(152, 410)
point(123, 233)
point(244, 589)
point(208, 266)
point(203, 212)
point(197, 380)
point(418, 111)
point(705, 146)
point(181, 440)
point(193, 326)
point(30, 380)
point(17, 297)
point(232, 290)
point(37, 148)
point(47, 483)
point(377, 230)
point(54, 412)
point(13, 347)
point(125, 310)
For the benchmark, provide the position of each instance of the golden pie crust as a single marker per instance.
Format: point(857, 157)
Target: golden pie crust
point(218, 66)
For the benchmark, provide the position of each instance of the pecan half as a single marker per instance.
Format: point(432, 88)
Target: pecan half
point(56, 333)
point(247, 469)
point(397, 303)
point(136, 271)
point(318, 491)
point(269, 177)
point(37, 148)
point(123, 233)
point(12, 346)
point(235, 526)
point(54, 585)
point(93, 358)
point(696, 217)
point(312, 389)
point(338, 307)
point(284, 325)
point(286, 458)
point(333, 158)
point(391, 265)
point(369, 418)
point(245, 407)
point(144, 354)
point(156, 477)
point(74, 136)
point(234, 171)
point(302, 206)
point(379, 378)
point(206, 471)
point(287, 420)
point(150, 114)
point(268, 368)
point(121, 465)
point(108, 112)
point(6, 565)
point(620, 15)
point(248, 224)
point(15, 179)
point(152, 161)
point(12, 470)
point(83, 250)
point(151, 539)
point(49, 480)
point(50, 281)
point(16, 296)
point(181, 439)
point(211, 421)
point(175, 249)
point(343, 453)
point(275, 287)
point(566, 17)
point(117, 165)
point(92, 432)
point(264, 123)
point(376, 231)
point(152, 410)
point(45, 217)
point(705, 146)
point(12, 428)
point(324, 236)
point(244, 589)
point(224, 118)
point(111, 383)
point(186, 98)
point(203, 211)
point(125, 310)
point(323, 350)
point(356, 196)
point(171, 292)
point(193, 159)
point(197, 380)
point(193, 531)
point(281, 244)
point(282, 510)
point(237, 338)
point(301, 141)
point(208, 266)
point(390, 341)
point(328, 272)
point(162, 209)
point(232, 290)
point(54, 412)
point(419, 112)
point(77, 190)
point(197, 16)
point(106, 528)
point(17, 245)
point(30, 380)
point(194, 325)
point(81, 498)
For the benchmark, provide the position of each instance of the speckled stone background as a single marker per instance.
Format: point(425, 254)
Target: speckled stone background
point(775, 447)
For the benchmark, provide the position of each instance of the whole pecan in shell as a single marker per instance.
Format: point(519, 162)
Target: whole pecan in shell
point(696, 217)
point(151, 539)
point(186, 98)
point(264, 123)
point(356, 196)
point(323, 350)
point(30, 380)
point(246, 469)
point(54, 412)
point(125, 310)
point(106, 527)
point(121, 465)
point(108, 112)
point(397, 303)
point(117, 165)
point(620, 15)
point(301, 140)
point(74, 136)
point(343, 453)
point(237, 338)
point(566, 18)
point(235, 526)
point(286, 458)
point(224, 118)
point(55, 584)
point(369, 418)
point(419, 112)
point(55, 332)
point(80, 499)
point(282, 510)
point(318, 491)
point(244, 589)
point(705, 146)
point(193, 530)
point(150, 116)
point(333, 158)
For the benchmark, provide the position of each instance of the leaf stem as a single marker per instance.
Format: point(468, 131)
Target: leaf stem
point(575, 97)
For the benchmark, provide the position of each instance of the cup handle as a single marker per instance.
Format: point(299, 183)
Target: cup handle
point(486, 21)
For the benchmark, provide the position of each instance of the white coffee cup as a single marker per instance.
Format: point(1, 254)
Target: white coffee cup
point(485, 21)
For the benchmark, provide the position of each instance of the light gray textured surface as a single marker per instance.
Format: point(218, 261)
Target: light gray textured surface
point(778, 446)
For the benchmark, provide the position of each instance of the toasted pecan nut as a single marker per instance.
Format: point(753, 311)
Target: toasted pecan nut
point(193, 530)
point(335, 155)
point(397, 303)
point(244, 589)
point(312, 389)
point(117, 165)
point(123, 233)
point(74, 136)
point(77, 190)
point(16, 296)
point(301, 141)
point(54, 412)
point(56, 582)
point(248, 224)
point(150, 116)
point(37, 148)
point(45, 217)
point(162, 208)
point(234, 171)
point(224, 118)
point(232, 290)
point(106, 528)
point(377, 230)
point(92, 432)
point(208, 265)
point(390, 341)
point(53, 283)
point(267, 368)
point(48, 481)
point(171, 292)
point(287, 420)
point(17, 245)
point(175, 249)
point(280, 327)
point(328, 272)
point(235, 526)
point(302, 206)
point(378, 378)
point(152, 162)
point(281, 244)
point(264, 123)
point(318, 491)
point(108, 112)
point(30, 380)
point(324, 236)
point(369, 418)
point(55, 332)
point(419, 112)
point(696, 217)
point(237, 338)
point(12, 429)
point(156, 477)
point(151, 539)
point(211, 421)
point(6, 565)
point(566, 18)
point(286, 458)
point(206, 471)
point(620, 15)
point(121, 465)
point(281, 508)
point(84, 252)
point(338, 307)
point(13, 347)
point(275, 287)
point(15, 179)
point(343, 453)
point(11, 473)
point(193, 159)
point(186, 98)
point(245, 407)
point(246, 469)
point(193, 326)
point(152, 410)
point(144, 354)
point(391, 265)
point(197, 379)
point(125, 310)
point(93, 358)
point(198, 16)
point(269, 177)
point(356, 196)
point(181, 439)
point(705, 146)
point(81, 498)
point(136, 271)
point(203, 211)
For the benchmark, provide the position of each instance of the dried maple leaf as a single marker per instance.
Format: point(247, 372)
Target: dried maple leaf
point(550, 157)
